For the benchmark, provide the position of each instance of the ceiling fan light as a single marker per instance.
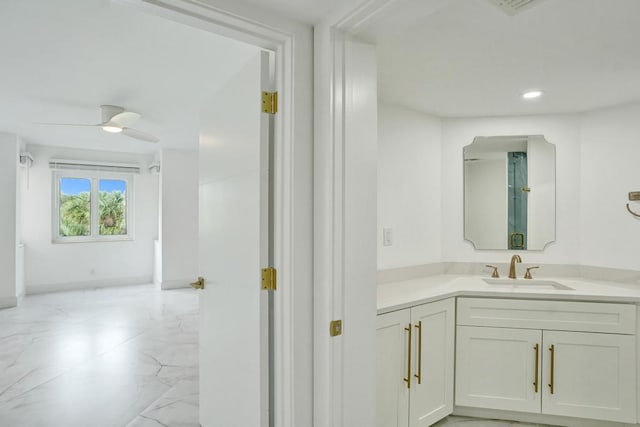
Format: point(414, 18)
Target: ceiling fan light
point(532, 94)
point(112, 128)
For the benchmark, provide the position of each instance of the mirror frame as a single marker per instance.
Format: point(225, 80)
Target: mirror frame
point(541, 176)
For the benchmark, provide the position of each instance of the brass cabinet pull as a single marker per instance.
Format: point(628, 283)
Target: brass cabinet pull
point(408, 379)
point(535, 375)
point(419, 374)
point(552, 350)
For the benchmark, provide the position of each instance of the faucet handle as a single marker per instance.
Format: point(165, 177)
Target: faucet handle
point(527, 274)
point(495, 270)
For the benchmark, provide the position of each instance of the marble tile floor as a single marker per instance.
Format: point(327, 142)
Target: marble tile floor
point(116, 357)
point(453, 421)
point(109, 357)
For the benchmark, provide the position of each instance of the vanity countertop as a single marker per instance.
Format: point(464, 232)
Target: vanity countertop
point(398, 295)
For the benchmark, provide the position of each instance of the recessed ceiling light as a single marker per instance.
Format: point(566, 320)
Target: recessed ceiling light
point(532, 94)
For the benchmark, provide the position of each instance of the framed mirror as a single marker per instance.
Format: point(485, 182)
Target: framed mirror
point(510, 192)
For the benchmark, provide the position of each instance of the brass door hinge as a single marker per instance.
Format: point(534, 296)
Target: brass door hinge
point(269, 279)
point(270, 102)
point(335, 328)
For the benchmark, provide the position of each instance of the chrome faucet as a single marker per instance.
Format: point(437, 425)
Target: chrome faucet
point(512, 266)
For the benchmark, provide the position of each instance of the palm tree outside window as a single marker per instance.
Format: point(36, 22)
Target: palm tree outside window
point(91, 208)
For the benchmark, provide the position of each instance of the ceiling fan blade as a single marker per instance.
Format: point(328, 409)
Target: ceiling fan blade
point(137, 134)
point(125, 119)
point(67, 124)
point(110, 111)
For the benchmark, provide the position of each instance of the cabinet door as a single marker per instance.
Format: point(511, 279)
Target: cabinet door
point(594, 375)
point(392, 352)
point(431, 397)
point(496, 368)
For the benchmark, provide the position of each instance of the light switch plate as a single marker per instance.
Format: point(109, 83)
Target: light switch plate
point(387, 236)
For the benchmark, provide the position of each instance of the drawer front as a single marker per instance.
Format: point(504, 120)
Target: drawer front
point(552, 315)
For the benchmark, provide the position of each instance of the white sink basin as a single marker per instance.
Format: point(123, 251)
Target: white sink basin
point(528, 283)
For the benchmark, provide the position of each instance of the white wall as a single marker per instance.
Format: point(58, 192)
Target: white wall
point(60, 266)
point(9, 150)
point(21, 182)
point(179, 218)
point(561, 130)
point(596, 166)
point(404, 149)
point(609, 158)
point(409, 186)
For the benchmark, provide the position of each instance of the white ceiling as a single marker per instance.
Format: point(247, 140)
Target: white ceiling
point(459, 58)
point(62, 59)
point(452, 58)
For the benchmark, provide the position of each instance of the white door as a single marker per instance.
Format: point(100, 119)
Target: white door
point(496, 368)
point(594, 375)
point(392, 365)
point(432, 388)
point(234, 246)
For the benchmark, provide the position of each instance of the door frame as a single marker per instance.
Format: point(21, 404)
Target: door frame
point(292, 44)
point(338, 225)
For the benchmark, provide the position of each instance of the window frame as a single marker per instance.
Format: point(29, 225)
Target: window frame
point(94, 178)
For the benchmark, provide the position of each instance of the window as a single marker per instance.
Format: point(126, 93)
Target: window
point(91, 207)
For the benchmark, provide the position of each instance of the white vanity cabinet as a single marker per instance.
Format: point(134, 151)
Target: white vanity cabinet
point(564, 358)
point(594, 375)
point(496, 367)
point(415, 353)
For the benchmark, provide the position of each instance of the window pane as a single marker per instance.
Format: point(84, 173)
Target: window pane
point(112, 206)
point(75, 207)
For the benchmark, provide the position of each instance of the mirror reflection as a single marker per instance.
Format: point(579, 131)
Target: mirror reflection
point(509, 192)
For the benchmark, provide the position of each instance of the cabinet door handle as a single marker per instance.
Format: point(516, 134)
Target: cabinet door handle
point(535, 375)
point(419, 374)
point(552, 350)
point(408, 379)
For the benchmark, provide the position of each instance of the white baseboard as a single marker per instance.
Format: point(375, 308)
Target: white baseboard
point(32, 289)
point(8, 302)
point(175, 284)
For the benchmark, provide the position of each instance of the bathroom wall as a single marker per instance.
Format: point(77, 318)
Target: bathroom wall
point(409, 186)
point(421, 194)
point(596, 158)
point(179, 218)
point(9, 149)
point(21, 177)
point(59, 266)
point(610, 152)
point(561, 130)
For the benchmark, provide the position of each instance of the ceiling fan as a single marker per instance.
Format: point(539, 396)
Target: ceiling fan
point(116, 120)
